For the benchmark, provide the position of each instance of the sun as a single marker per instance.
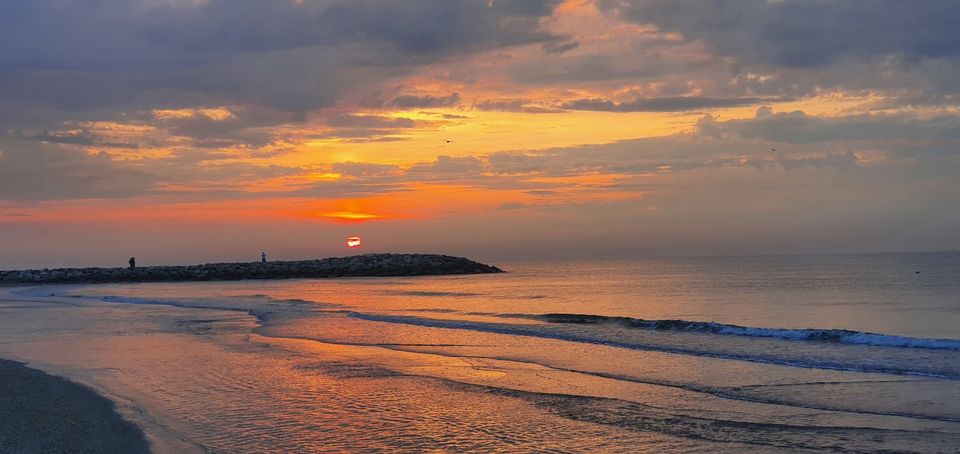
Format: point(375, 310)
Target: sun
point(353, 242)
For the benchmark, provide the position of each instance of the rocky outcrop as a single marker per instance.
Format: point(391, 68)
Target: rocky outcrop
point(358, 265)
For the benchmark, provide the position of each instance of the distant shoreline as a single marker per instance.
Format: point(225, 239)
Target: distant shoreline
point(44, 413)
point(351, 266)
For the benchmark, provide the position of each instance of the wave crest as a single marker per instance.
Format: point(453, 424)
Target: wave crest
point(841, 336)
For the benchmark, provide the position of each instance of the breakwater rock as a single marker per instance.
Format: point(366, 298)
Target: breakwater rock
point(358, 265)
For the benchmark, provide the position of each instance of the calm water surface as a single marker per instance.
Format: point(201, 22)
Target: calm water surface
point(848, 353)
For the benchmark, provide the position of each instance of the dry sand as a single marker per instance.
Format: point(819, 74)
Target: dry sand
point(41, 413)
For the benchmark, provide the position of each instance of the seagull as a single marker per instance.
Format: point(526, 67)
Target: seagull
point(448, 140)
point(773, 149)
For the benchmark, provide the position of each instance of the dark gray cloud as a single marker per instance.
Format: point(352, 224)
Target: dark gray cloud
point(246, 125)
point(79, 59)
point(33, 171)
point(365, 127)
point(410, 101)
point(446, 165)
point(514, 105)
point(665, 104)
point(594, 68)
point(77, 137)
point(800, 128)
point(671, 154)
point(811, 33)
point(905, 52)
point(113, 35)
point(559, 47)
point(370, 121)
point(359, 135)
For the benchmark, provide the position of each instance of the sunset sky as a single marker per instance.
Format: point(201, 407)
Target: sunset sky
point(184, 131)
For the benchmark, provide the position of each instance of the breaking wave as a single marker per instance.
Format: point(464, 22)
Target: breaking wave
point(817, 348)
point(841, 336)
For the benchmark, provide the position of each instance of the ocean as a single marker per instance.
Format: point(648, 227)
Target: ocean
point(841, 353)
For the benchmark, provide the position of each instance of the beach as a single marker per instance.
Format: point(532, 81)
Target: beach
point(707, 355)
point(44, 413)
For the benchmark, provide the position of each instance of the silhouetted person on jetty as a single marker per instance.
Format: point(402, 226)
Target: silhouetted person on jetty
point(263, 257)
point(132, 262)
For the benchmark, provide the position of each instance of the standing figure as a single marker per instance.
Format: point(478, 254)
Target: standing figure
point(133, 262)
point(263, 257)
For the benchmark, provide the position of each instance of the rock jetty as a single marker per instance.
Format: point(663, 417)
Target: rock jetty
point(358, 265)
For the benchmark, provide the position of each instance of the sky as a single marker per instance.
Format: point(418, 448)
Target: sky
point(192, 131)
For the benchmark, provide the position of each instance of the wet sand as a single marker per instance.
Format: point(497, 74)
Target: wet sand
point(44, 413)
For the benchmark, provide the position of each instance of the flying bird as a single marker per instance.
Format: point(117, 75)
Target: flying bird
point(773, 149)
point(448, 140)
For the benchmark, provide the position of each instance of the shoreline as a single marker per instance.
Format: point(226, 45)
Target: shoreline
point(221, 381)
point(350, 266)
point(40, 412)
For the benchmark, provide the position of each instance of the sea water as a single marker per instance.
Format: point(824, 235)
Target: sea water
point(849, 353)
